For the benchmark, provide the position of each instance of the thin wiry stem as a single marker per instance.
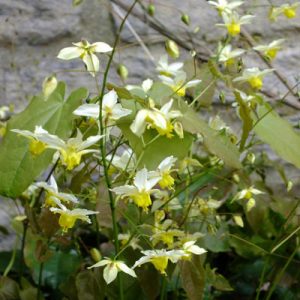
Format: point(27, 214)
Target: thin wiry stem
point(102, 145)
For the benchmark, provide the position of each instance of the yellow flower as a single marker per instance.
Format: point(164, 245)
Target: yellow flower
point(179, 83)
point(36, 146)
point(159, 119)
point(290, 10)
point(166, 69)
point(248, 194)
point(68, 218)
point(86, 51)
point(254, 77)
point(270, 50)
point(224, 5)
point(163, 171)
point(53, 196)
point(111, 109)
point(160, 258)
point(233, 22)
point(227, 56)
point(72, 150)
point(141, 189)
point(113, 267)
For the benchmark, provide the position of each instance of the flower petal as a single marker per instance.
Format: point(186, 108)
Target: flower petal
point(124, 268)
point(92, 63)
point(101, 47)
point(87, 110)
point(110, 273)
point(70, 53)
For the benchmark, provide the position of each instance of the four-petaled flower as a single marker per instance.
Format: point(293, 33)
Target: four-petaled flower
point(224, 5)
point(141, 189)
point(86, 51)
point(72, 150)
point(160, 258)
point(254, 76)
point(166, 69)
point(271, 49)
point(113, 267)
point(159, 119)
point(179, 83)
point(163, 170)
point(111, 109)
point(36, 146)
point(248, 195)
point(233, 22)
point(226, 55)
point(190, 248)
point(53, 196)
point(68, 217)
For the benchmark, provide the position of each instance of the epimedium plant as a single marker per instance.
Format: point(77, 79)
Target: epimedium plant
point(134, 193)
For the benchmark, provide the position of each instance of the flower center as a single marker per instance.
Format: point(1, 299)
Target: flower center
point(248, 195)
point(160, 263)
point(272, 53)
point(167, 238)
point(167, 181)
point(179, 89)
point(49, 201)
point(71, 158)
point(165, 131)
point(36, 147)
point(256, 82)
point(290, 12)
point(234, 29)
point(66, 221)
point(229, 62)
point(142, 200)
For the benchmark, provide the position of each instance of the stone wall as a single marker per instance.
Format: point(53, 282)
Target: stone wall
point(33, 31)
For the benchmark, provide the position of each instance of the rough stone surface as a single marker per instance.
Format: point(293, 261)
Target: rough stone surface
point(33, 31)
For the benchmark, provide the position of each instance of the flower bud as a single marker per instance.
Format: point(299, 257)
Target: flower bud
point(289, 185)
point(172, 49)
point(185, 19)
point(49, 85)
point(250, 204)
point(122, 72)
point(178, 129)
point(77, 2)
point(251, 157)
point(151, 10)
point(238, 220)
point(95, 254)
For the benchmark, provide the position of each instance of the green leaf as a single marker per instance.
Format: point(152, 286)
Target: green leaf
point(205, 91)
point(123, 93)
point(278, 133)
point(57, 268)
point(89, 286)
point(216, 142)
point(9, 289)
point(152, 154)
point(218, 281)
point(193, 278)
point(19, 168)
point(217, 242)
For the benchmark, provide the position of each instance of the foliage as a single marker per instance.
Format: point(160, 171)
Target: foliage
point(143, 191)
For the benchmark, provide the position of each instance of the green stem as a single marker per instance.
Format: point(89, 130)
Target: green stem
point(22, 264)
point(40, 281)
point(11, 262)
point(103, 150)
point(280, 274)
point(163, 289)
